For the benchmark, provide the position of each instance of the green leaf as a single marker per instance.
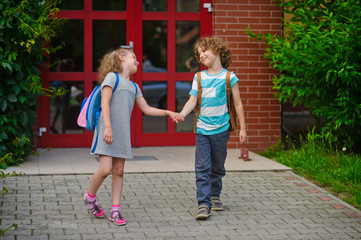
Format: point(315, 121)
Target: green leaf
point(16, 89)
point(24, 118)
point(12, 98)
point(3, 105)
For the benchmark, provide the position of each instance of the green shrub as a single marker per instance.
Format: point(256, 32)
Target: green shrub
point(26, 27)
point(319, 59)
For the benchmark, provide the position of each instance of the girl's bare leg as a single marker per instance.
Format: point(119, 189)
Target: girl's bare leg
point(105, 167)
point(117, 180)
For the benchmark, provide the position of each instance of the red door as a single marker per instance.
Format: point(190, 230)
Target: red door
point(161, 33)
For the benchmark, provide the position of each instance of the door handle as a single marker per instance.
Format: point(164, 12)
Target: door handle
point(130, 46)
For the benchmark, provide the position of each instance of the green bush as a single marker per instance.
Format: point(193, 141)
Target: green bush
point(26, 27)
point(319, 58)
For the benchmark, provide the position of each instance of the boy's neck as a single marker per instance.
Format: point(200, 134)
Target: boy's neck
point(215, 68)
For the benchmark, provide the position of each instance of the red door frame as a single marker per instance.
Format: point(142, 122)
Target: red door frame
point(134, 16)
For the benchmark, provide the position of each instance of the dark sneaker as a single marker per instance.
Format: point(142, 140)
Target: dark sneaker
point(203, 212)
point(216, 204)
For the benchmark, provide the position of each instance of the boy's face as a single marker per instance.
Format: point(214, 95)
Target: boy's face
point(207, 57)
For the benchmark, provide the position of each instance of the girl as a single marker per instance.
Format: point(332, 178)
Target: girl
point(212, 131)
point(113, 143)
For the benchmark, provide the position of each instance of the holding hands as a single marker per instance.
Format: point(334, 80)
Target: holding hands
point(178, 117)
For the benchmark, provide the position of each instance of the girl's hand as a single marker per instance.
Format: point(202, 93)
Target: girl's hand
point(242, 136)
point(108, 135)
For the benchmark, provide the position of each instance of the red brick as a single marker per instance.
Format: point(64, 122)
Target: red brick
point(271, 8)
point(257, 127)
point(243, 7)
point(260, 26)
point(260, 14)
point(237, 14)
point(351, 214)
point(291, 178)
point(270, 20)
point(259, 89)
point(258, 2)
point(338, 206)
point(312, 191)
point(259, 76)
point(258, 102)
point(270, 120)
point(301, 184)
point(237, 1)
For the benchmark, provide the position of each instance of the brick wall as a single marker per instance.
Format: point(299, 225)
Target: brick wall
point(263, 112)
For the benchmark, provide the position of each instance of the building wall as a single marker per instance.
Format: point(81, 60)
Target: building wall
point(262, 110)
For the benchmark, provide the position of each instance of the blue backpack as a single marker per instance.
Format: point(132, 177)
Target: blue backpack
point(91, 108)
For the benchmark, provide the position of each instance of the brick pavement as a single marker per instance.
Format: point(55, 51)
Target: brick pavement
point(258, 205)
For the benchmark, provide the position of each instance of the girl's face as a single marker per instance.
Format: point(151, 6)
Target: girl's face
point(206, 56)
point(130, 62)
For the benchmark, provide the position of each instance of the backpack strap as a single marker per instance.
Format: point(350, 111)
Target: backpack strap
point(116, 82)
point(136, 89)
point(231, 110)
point(228, 86)
point(199, 101)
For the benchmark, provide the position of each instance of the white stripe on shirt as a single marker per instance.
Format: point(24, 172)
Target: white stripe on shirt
point(208, 92)
point(214, 111)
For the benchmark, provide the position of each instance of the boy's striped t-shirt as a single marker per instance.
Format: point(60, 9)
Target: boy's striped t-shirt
point(213, 117)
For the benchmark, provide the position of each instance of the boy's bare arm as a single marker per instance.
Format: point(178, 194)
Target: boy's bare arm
point(240, 113)
point(188, 107)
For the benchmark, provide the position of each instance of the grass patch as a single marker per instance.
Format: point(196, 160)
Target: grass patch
point(319, 161)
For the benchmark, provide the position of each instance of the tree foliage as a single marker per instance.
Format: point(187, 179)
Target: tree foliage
point(319, 58)
point(25, 29)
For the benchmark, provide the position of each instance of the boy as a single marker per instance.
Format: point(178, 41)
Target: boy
point(212, 132)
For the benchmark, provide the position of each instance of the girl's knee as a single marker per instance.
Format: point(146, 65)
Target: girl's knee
point(118, 171)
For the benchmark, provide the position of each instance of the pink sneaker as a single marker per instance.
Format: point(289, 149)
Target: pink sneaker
point(94, 206)
point(117, 218)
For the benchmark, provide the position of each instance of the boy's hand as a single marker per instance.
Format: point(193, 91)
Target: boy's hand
point(242, 136)
point(180, 117)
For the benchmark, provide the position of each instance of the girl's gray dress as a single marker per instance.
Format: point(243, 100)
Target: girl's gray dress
point(121, 106)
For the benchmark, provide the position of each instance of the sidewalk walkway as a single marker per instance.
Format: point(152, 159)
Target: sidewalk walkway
point(262, 199)
point(147, 159)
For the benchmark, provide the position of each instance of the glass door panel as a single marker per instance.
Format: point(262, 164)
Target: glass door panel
point(155, 93)
point(154, 5)
point(154, 46)
point(64, 110)
point(71, 36)
point(110, 5)
point(187, 33)
point(182, 95)
point(71, 5)
point(187, 5)
point(107, 36)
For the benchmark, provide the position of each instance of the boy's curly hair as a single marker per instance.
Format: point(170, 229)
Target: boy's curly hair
point(110, 62)
point(217, 45)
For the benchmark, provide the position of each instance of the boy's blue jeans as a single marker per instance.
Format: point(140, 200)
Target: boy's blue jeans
point(211, 153)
